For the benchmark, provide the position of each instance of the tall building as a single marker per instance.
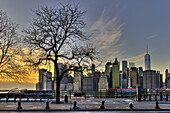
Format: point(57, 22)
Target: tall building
point(161, 82)
point(42, 75)
point(115, 74)
point(77, 80)
point(134, 76)
point(45, 80)
point(121, 79)
point(125, 74)
point(149, 79)
point(89, 83)
point(103, 82)
point(140, 77)
point(108, 70)
point(158, 79)
point(167, 79)
point(147, 61)
point(64, 81)
point(69, 85)
point(47, 84)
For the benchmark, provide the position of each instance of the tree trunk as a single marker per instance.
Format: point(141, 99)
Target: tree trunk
point(57, 91)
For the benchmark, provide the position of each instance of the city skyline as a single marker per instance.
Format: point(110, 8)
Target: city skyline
point(121, 29)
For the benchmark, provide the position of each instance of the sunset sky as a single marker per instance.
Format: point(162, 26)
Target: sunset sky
point(120, 28)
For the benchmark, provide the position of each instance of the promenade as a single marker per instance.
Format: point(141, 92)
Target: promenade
point(88, 104)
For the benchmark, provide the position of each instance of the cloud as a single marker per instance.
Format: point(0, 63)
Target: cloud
point(137, 58)
point(152, 36)
point(106, 36)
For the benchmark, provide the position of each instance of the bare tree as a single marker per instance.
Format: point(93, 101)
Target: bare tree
point(10, 67)
point(57, 34)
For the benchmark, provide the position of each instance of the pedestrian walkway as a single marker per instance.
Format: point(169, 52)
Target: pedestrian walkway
point(88, 104)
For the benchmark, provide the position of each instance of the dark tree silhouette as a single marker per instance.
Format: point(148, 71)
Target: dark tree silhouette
point(57, 34)
point(9, 62)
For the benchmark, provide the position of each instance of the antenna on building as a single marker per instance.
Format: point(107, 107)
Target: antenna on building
point(147, 49)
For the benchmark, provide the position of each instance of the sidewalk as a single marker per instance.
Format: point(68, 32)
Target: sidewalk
point(88, 104)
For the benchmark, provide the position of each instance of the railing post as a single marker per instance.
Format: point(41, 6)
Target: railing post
point(157, 106)
point(19, 105)
point(75, 105)
point(131, 105)
point(102, 106)
point(47, 105)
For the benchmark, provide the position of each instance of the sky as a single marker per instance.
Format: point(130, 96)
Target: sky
point(120, 28)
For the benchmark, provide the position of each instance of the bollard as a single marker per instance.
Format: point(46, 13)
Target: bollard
point(102, 106)
point(47, 105)
point(19, 105)
point(131, 105)
point(75, 105)
point(66, 99)
point(157, 106)
point(166, 97)
point(155, 97)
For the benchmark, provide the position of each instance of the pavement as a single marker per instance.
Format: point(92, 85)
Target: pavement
point(86, 105)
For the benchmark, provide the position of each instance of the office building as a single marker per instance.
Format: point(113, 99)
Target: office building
point(61, 67)
point(108, 72)
point(125, 74)
point(161, 82)
point(147, 61)
point(115, 74)
point(158, 79)
point(77, 80)
point(167, 79)
point(89, 83)
point(45, 80)
point(149, 79)
point(69, 84)
point(134, 76)
point(140, 77)
point(103, 82)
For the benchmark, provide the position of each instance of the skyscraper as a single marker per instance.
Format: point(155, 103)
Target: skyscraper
point(147, 61)
point(103, 82)
point(149, 79)
point(45, 80)
point(134, 76)
point(140, 79)
point(115, 74)
point(77, 80)
point(108, 69)
point(125, 74)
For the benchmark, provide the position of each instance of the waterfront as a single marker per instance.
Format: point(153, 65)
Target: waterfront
point(89, 104)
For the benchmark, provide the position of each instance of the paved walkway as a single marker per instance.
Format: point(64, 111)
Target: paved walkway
point(88, 104)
